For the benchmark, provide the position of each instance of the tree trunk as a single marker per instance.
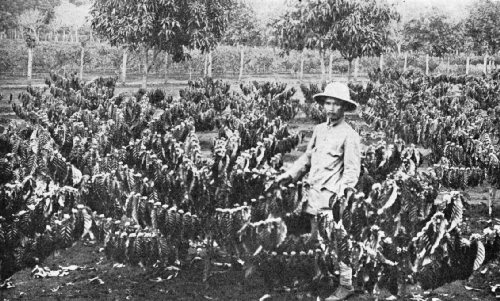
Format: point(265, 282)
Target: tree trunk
point(406, 62)
point(349, 71)
point(190, 69)
point(485, 68)
point(323, 68)
point(356, 69)
point(467, 65)
point(381, 62)
point(124, 66)
point(77, 39)
point(144, 84)
point(448, 65)
point(205, 72)
point(64, 35)
point(166, 66)
point(91, 36)
point(399, 48)
point(30, 64)
point(242, 62)
point(302, 65)
point(330, 66)
point(209, 64)
point(426, 64)
point(81, 63)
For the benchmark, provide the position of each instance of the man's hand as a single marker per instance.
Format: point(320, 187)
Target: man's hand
point(348, 192)
point(282, 179)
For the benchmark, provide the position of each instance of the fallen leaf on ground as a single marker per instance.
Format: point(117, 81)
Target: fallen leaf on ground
point(469, 288)
point(157, 279)
point(7, 284)
point(96, 280)
point(172, 268)
point(70, 268)
point(265, 297)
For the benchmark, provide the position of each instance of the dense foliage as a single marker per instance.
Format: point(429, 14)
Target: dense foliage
point(127, 170)
point(482, 26)
point(354, 28)
point(161, 26)
point(10, 9)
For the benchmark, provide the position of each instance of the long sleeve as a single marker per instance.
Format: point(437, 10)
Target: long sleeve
point(352, 162)
point(302, 165)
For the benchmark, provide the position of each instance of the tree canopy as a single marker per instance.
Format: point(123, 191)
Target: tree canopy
point(11, 9)
point(243, 26)
point(291, 31)
point(483, 25)
point(355, 28)
point(163, 25)
point(434, 33)
point(363, 29)
point(31, 21)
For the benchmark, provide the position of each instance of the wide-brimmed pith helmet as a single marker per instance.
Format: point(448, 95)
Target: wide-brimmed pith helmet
point(338, 91)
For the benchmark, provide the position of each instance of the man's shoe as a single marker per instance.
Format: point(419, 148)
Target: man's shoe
point(342, 293)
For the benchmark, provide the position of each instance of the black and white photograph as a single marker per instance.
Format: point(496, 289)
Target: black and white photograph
point(309, 150)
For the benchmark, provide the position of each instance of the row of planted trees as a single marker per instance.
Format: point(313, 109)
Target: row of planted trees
point(153, 26)
point(361, 29)
point(223, 61)
point(51, 35)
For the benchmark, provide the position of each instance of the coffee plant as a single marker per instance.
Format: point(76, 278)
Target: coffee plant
point(127, 170)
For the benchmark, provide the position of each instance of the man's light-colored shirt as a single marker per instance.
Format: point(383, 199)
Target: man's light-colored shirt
point(333, 158)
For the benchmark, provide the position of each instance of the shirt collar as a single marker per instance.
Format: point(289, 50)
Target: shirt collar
point(333, 124)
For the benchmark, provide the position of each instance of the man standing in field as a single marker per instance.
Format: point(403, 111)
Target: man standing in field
point(333, 160)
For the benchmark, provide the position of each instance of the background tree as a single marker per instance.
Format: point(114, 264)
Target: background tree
point(243, 29)
point(10, 10)
point(354, 28)
point(319, 18)
point(434, 34)
point(172, 26)
point(72, 18)
point(482, 25)
point(30, 21)
point(364, 30)
point(291, 33)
